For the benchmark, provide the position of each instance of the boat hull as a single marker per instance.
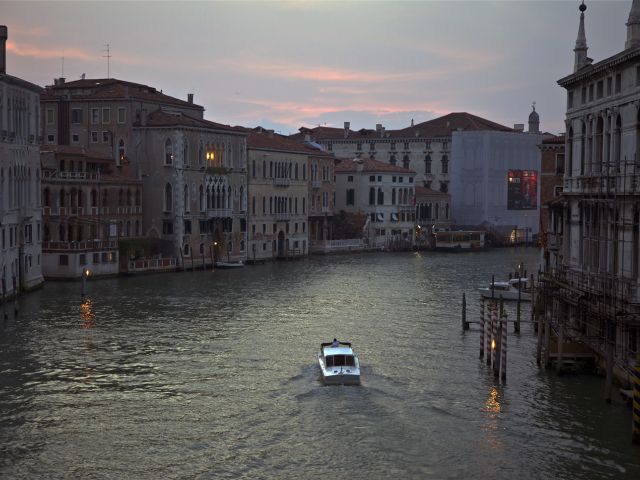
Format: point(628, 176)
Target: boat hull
point(505, 294)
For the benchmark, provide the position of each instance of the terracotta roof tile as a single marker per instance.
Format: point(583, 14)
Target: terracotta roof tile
point(262, 139)
point(72, 150)
point(162, 118)
point(438, 127)
point(112, 88)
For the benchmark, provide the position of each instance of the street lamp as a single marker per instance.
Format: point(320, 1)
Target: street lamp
point(85, 275)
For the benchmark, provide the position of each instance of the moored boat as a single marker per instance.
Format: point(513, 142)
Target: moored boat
point(339, 364)
point(237, 264)
point(507, 290)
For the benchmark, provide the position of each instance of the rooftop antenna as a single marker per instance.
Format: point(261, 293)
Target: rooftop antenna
point(108, 57)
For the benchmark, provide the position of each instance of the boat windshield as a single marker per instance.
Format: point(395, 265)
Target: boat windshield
point(340, 361)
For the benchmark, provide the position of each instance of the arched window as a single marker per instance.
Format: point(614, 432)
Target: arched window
point(380, 196)
point(372, 196)
point(202, 199)
point(121, 152)
point(168, 152)
point(168, 198)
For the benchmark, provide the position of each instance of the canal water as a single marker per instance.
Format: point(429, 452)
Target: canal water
point(214, 375)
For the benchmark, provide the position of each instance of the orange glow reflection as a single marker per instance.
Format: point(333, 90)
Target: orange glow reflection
point(86, 314)
point(493, 402)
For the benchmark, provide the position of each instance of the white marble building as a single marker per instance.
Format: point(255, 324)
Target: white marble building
point(20, 199)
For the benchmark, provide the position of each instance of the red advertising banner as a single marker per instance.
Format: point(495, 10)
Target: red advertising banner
point(522, 190)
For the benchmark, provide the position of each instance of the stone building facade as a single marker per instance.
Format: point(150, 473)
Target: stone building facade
point(194, 175)
point(20, 175)
point(384, 193)
point(322, 192)
point(278, 195)
point(551, 182)
point(88, 205)
point(594, 289)
point(193, 171)
point(424, 148)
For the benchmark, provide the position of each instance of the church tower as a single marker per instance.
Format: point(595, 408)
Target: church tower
point(633, 26)
point(534, 120)
point(581, 48)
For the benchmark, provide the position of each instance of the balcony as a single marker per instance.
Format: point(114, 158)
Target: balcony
point(327, 210)
point(70, 176)
point(219, 212)
point(281, 182)
point(316, 183)
point(87, 245)
point(282, 217)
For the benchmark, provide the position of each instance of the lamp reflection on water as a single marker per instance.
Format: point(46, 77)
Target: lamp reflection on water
point(86, 314)
point(492, 403)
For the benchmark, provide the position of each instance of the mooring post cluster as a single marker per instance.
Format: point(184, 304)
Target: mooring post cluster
point(493, 336)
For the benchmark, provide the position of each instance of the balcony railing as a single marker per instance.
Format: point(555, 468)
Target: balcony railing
point(86, 245)
point(92, 211)
point(282, 217)
point(57, 175)
point(219, 212)
point(152, 264)
point(316, 183)
point(281, 182)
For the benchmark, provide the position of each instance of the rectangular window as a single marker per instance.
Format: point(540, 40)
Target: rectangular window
point(95, 116)
point(591, 92)
point(76, 115)
point(584, 95)
point(351, 196)
point(400, 179)
point(106, 115)
point(406, 145)
point(187, 227)
point(94, 136)
point(75, 138)
point(51, 119)
point(350, 178)
point(393, 146)
point(96, 258)
point(63, 260)
point(427, 145)
point(330, 146)
point(51, 138)
point(167, 227)
point(358, 146)
point(600, 89)
point(618, 83)
point(410, 179)
point(105, 136)
point(570, 100)
point(609, 86)
point(379, 178)
point(557, 190)
point(372, 178)
point(372, 146)
point(122, 115)
point(560, 164)
point(82, 259)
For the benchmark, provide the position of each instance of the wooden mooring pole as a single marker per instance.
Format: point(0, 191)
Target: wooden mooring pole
point(498, 357)
point(534, 317)
point(608, 382)
point(490, 336)
point(503, 349)
point(465, 324)
point(482, 327)
point(635, 438)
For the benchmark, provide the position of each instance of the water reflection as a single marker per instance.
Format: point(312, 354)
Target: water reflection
point(86, 314)
point(493, 401)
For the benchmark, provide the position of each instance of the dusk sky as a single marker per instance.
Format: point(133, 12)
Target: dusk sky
point(287, 64)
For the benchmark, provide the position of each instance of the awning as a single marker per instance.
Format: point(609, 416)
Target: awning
point(379, 217)
point(394, 217)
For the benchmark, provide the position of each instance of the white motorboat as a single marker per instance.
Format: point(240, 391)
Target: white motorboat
point(237, 264)
point(339, 364)
point(507, 290)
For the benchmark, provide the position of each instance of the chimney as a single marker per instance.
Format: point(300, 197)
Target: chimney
point(3, 49)
point(58, 81)
point(347, 125)
point(190, 98)
point(518, 127)
point(307, 137)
